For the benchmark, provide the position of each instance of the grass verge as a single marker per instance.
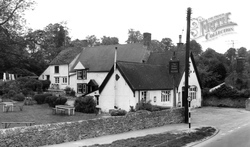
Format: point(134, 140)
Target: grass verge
point(168, 139)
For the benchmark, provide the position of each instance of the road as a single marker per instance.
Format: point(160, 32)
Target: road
point(234, 125)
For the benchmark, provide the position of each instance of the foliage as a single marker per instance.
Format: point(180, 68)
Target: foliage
point(225, 91)
point(85, 104)
point(92, 41)
point(69, 91)
point(134, 36)
point(54, 100)
point(40, 98)
point(109, 40)
point(46, 84)
point(34, 85)
point(117, 112)
point(18, 97)
point(142, 105)
point(11, 93)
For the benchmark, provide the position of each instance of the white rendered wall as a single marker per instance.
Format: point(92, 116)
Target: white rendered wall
point(193, 80)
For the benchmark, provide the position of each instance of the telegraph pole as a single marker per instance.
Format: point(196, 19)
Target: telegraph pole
point(187, 65)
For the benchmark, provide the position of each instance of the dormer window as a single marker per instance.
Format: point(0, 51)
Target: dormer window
point(81, 74)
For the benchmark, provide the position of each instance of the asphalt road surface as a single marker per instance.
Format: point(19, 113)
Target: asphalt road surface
point(234, 126)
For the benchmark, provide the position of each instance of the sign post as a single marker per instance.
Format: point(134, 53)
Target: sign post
point(174, 69)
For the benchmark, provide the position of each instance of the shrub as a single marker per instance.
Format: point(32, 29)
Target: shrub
point(18, 97)
point(40, 98)
point(117, 112)
point(85, 104)
point(45, 84)
point(54, 100)
point(142, 105)
point(11, 93)
point(69, 91)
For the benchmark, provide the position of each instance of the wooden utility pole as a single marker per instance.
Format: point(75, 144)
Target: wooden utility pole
point(187, 65)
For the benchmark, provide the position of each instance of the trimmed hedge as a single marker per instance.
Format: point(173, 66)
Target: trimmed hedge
point(40, 98)
point(85, 104)
point(54, 100)
point(117, 112)
point(18, 97)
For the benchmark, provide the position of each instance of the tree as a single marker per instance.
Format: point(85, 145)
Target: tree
point(230, 53)
point(92, 41)
point(242, 52)
point(134, 36)
point(11, 13)
point(166, 43)
point(109, 40)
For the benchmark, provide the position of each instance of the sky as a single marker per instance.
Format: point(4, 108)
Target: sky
point(161, 18)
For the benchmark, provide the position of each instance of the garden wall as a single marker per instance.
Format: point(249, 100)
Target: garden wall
point(56, 133)
point(224, 102)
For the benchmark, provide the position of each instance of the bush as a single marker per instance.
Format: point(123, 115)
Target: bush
point(45, 84)
point(11, 94)
point(69, 91)
point(117, 112)
point(18, 97)
point(54, 100)
point(40, 98)
point(142, 105)
point(85, 104)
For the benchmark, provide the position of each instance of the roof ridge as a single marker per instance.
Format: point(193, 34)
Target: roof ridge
point(139, 63)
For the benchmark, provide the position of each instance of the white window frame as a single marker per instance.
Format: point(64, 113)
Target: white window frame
point(165, 95)
point(81, 74)
point(193, 92)
point(143, 96)
point(64, 80)
point(57, 80)
point(57, 72)
point(82, 89)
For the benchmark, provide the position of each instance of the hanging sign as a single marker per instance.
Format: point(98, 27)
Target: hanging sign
point(212, 28)
point(173, 67)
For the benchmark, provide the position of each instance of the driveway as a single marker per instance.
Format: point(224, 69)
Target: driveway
point(228, 120)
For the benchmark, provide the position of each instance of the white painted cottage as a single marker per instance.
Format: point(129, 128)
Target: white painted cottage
point(128, 83)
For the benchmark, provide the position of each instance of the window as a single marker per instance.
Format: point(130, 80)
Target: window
point(192, 92)
point(154, 98)
point(82, 88)
point(143, 96)
point(56, 79)
point(64, 80)
point(56, 69)
point(97, 99)
point(82, 74)
point(165, 96)
point(42, 76)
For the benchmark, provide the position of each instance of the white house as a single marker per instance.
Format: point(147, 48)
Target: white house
point(94, 63)
point(128, 83)
point(58, 70)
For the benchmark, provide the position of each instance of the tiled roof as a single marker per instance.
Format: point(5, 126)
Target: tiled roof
point(101, 58)
point(66, 56)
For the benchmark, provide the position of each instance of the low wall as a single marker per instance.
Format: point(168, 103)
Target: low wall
point(225, 102)
point(49, 134)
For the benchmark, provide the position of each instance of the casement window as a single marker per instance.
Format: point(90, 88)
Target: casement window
point(193, 92)
point(165, 96)
point(64, 80)
point(97, 100)
point(143, 96)
point(56, 69)
point(82, 74)
point(82, 88)
point(57, 80)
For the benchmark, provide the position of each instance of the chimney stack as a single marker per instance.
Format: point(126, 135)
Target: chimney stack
point(180, 43)
point(146, 39)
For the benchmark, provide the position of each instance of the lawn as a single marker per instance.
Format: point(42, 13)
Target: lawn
point(168, 139)
point(40, 114)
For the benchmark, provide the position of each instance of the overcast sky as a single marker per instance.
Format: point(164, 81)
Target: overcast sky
point(161, 18)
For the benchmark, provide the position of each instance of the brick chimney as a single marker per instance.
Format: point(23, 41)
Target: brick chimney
point(85, 43)
point(146, 39)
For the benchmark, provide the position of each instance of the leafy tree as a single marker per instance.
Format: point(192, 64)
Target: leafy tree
point(92, 41)
point(166, 43)
point(242, 52)
point(134, 36)
point(230, 53)
point(109, 40)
